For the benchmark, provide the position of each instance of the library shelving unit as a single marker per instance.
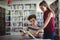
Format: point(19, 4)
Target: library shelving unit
point(2, 21)
point(54, 7)
point(8, 20)
point(40, 19)
point(16, 16)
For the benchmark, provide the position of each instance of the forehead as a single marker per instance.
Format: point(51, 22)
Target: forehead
point(32, 19)
point(41, 6)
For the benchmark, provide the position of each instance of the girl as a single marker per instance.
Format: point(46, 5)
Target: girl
point(48, 25)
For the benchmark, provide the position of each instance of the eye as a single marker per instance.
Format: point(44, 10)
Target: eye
point(30, 21)
point(33, 20)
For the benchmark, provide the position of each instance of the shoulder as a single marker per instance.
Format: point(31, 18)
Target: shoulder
point(50, 14)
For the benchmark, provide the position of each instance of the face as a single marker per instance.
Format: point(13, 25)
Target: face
point(43, 8)
point(33, 21)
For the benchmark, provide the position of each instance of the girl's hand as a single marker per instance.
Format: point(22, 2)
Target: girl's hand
point(37, 32)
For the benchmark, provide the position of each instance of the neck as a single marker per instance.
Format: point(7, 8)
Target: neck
point(34, 25)
point(45, 9)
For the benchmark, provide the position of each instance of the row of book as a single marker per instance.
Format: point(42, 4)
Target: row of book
point(13, 29)
point(17, 12)
point(23, 6)
point(14, 24)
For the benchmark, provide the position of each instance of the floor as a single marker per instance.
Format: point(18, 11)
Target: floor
point(8, 37)
point(17, 37)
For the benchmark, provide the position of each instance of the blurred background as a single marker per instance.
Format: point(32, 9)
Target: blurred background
point(14, 13)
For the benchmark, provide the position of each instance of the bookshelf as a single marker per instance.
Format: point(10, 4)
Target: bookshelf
point(16, 17)
point(8, 21)
point(40, 18)
point(55, 8)
point(2, 21)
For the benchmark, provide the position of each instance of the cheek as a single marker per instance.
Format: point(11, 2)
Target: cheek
point(31, 22)
point(42, 8)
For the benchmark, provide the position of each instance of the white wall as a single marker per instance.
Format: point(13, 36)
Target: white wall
point(3, 4)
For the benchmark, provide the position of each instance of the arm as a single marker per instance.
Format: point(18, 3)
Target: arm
point(24, 31)
point(46, 22)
